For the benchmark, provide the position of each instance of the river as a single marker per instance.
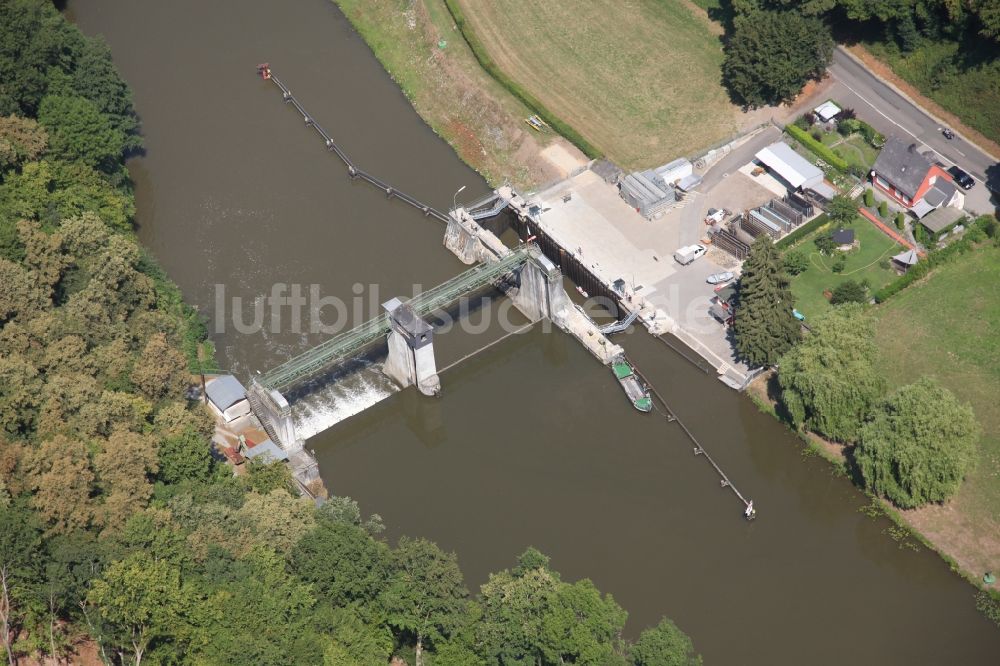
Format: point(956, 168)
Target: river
point(532, 442)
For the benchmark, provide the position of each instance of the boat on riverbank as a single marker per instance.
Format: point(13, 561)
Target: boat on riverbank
point(634, 388)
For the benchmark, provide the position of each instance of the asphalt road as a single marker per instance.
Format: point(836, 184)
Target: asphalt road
point(892, 114)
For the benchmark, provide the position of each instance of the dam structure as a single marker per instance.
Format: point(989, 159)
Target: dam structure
point(532, 281)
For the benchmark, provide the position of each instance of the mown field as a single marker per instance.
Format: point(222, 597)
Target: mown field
point(640, 81)
point(862, 264)
point(948, 326)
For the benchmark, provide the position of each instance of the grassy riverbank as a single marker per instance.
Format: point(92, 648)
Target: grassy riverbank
point(640, 82)
point(943, 326)
point(424, 53)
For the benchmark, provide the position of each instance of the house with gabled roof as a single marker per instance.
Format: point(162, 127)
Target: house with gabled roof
point(913, 179)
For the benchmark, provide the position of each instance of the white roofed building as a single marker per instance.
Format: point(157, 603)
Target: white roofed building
point(795, 170)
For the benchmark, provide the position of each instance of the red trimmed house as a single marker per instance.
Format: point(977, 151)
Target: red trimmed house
point(912, 179)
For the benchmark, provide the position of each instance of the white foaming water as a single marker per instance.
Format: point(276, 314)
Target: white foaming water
point(331, 404)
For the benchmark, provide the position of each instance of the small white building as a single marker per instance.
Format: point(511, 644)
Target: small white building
point(227, 398)
point(795, 170)
point(672, 172)
point(827, 111)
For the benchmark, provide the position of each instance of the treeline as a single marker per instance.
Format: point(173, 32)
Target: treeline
point(121, 536)
point(912, 445)
point(773, 47)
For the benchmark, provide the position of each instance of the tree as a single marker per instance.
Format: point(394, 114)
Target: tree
point(842, 209)
point(58, 471)
point(919, 445)
point(849, 291)
point(142, 600)
point(124, 466)
point(764, 326)
point(78, 131)
point(824, 243)
point(829, 382)
point(771, 55)
point(343, 563)
point(795, 263)
point(20, 564)
point(185, 456)
point(426, 595)
point(160, 370)
point(346, 511)
point(529, 615)
point(664, 645)
point(21, 140)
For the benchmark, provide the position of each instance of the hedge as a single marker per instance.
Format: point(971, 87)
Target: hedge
point(932, 260)
point(821, 151)
point(486, 62)
point(794, 237)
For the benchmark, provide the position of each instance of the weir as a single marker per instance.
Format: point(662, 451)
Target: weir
point(526, 273)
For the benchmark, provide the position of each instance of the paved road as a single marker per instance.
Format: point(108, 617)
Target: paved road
point(892, 114)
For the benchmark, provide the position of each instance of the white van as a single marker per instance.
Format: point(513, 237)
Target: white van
point(689, 253)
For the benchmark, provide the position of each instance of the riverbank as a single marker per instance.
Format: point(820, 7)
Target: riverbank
point(943, 307)
point(425, 54)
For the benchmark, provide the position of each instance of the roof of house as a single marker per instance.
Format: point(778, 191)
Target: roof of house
point(827, 110)
point(902, 165)
point(225, 391)
point(267, 448)
point(908, 258)
point(942, 218)
point(843, 236)
point(941, 193)
point(795, 169)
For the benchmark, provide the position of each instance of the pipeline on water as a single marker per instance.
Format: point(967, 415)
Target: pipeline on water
point(749, 512)
point(264, 70)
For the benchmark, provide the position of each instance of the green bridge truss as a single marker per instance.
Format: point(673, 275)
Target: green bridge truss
point(342, 346)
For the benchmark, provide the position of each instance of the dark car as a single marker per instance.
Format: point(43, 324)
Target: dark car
point(962, 178)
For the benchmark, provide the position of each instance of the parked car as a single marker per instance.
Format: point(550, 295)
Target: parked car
point(689, 253)
point(720, 278)
point(961, 177)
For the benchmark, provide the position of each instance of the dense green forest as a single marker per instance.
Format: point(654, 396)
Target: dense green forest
point(949, 49)
point(121, 537)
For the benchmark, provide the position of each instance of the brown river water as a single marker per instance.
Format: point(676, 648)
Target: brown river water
point(532, 442)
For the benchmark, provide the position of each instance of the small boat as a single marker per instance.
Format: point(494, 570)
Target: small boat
point(719, 278)
point(633, 387)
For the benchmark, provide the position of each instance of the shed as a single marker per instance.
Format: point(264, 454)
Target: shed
point(827, 111)
point(264, 450)
point(227, 397)
point(941, 219)
point(843, 238)
point(789, 165)
point(904, 260)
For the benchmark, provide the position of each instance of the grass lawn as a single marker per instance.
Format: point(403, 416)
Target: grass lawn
point(639, 80)
point(862, 264)
point(948, 326)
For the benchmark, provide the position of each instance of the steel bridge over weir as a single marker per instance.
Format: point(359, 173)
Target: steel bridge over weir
point(343, 346)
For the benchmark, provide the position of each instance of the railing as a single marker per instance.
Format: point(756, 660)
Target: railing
point(343, 345)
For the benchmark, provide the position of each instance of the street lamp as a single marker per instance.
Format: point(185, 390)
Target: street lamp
point(454, 199)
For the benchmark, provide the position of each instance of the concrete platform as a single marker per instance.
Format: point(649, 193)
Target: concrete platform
point(588, 218)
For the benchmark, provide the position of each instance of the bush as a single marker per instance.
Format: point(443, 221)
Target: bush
point(821, 151)
point(824, 243)
point(848, 291)
point(871, 135)
point(883, 209)
point(796, 263)
point(807, 228)
point(884, 264)
point(839, 263)
point(848, 126)
point(816, 134)
point(900, 221)
point(869, 197)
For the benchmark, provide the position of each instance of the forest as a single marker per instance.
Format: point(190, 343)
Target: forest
point(122, 538)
